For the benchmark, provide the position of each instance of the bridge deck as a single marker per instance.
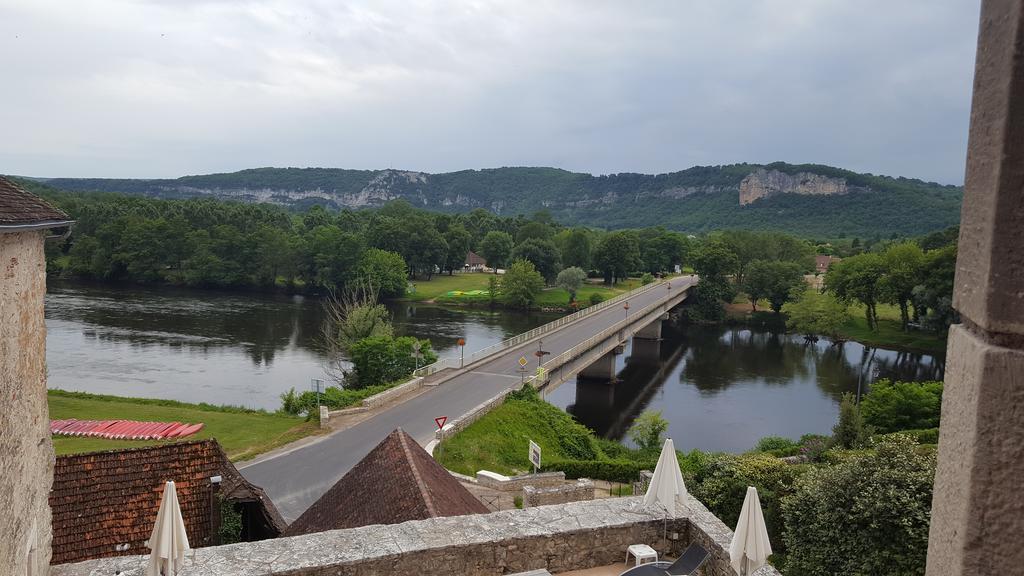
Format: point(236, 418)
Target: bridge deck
point(294, 480)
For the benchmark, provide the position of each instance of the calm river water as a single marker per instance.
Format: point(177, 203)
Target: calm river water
point(720, 388)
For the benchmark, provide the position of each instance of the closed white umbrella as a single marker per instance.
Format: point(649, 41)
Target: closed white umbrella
point(169, 540)
point(666, 487)
point(750, 547)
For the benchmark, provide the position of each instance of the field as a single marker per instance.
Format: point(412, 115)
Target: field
point(473, 288)
point(242, 433)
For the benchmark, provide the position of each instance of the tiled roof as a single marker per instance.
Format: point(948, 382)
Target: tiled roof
point(474, 259)
point(20, 207)
point(396, 482)
point(104, 500)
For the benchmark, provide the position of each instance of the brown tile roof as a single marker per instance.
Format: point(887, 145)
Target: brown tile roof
point(396, 482)
point(20, 207)
point(103, 500)
point(474, 259)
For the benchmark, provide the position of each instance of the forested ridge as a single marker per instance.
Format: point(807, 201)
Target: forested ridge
point(694, 200)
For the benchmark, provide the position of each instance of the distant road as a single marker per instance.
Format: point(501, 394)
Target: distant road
point(296, 479)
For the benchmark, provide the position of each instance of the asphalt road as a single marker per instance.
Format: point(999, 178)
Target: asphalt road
point(296, 479)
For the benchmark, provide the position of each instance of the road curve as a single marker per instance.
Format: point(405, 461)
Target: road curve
point(296, 479)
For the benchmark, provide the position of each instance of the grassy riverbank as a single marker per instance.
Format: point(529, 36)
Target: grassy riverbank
point(243, 433)
point(441, 287)
point(888, 335)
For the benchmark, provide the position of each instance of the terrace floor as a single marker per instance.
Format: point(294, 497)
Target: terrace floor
point(610, 570)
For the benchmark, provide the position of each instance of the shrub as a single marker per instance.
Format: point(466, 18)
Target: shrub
point(647, 430)
point(926, 436)
point(646, 279)
point(721, 484)
point(775, 444)
point(866, 516)
point(895, 406)
point(521, 284)
point(813, 447)
point(610, 470)
point(850, 431)
point(382, 359)
point(596, 298)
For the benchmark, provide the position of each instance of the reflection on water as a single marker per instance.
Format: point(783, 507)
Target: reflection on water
point(724, 388)
point(220, 347)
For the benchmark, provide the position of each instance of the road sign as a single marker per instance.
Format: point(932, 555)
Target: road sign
point(535, 455)
point(440, 421)
point(523, 361)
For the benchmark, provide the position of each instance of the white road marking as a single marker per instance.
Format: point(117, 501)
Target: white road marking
point(494, 374)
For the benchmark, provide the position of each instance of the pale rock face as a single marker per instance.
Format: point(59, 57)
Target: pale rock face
point(763, 183)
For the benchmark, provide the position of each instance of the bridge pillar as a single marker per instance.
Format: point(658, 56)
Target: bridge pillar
point(646, 351)
point(653, 330)
point(602, 369)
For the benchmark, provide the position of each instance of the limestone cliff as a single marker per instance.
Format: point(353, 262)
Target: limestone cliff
point(763, 183)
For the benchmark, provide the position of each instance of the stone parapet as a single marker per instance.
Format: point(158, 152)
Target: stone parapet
point(579, 491)
point(559, 538)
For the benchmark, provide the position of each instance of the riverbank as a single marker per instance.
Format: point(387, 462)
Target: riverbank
point(242, 433)
point(889, 333)
point(470, 289)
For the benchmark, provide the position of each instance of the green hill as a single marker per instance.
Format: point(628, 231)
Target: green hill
point(808, 199)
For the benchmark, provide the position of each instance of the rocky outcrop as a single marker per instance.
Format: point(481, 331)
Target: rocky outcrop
point(763, 183)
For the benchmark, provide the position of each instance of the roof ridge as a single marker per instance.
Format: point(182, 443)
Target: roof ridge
point(428, 500)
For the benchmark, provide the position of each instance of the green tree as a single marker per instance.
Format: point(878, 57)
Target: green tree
point(904, 264)
point(894, 406)
point(777, 281)
point(543, 254)
point(933, 297)
point(815, 314)
point(867, 516)
point(521, 284)
point(459, 241)
point(383, 359)
point(533, 231)
point(496, 247)
point(577, 249)
point(616, 255)
point(570, 280)
point(850, 431)
point(648, 430)
point(384, 271)
point(858, 279)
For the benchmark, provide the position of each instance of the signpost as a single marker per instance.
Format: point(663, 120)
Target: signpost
point(462, 351)
point(522, 369)
point(541, 352)
point(416, 352)
point(535, 456)
point(317, 385)
point(440, 422)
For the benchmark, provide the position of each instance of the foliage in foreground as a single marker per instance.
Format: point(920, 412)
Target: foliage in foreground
point(893, 406)
point(867, 516)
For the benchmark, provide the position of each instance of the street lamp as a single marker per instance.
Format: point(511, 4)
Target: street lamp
point(626, 307)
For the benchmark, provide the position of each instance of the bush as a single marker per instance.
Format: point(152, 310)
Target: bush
point(647, 430)
point(926, 436)
point(596, 298)
point(333, 397)
point(775, 444)
point(610, 470)
point(521, 284)
point(865, 516)
point(850, 431)
point(721, 484)
point(383, 359)
point(646, 279)
point(895, 406)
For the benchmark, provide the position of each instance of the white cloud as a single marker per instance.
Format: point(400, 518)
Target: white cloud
point(123, 88)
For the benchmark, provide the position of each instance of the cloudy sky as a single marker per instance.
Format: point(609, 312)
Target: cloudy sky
point(134, 88)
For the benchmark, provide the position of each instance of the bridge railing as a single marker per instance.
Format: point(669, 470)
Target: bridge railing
point(446, 363)
point(589, 343)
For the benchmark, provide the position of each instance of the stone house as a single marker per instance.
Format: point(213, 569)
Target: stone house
point(396, 482)
point(26, 452)
point(822, 262)
point(474, 262)
point(105, 503)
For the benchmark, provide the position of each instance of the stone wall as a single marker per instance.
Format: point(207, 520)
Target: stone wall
point(581, 490)
point(556, 538)
point(473, 415)
point(516, 483)
point(26, 452)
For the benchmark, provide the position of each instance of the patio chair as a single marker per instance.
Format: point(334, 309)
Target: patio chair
point(693, 558)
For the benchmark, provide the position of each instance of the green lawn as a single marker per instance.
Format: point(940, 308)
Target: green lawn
point(438, 287)
point(889, 333)
point(243, 433)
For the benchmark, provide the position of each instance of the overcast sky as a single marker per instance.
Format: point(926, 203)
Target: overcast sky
point(122, 88)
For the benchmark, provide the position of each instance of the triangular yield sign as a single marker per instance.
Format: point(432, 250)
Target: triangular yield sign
point(440, 421)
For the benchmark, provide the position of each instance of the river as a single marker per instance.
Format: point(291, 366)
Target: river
point(720, 388)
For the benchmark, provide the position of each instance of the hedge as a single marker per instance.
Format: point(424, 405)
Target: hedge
point(610, 470)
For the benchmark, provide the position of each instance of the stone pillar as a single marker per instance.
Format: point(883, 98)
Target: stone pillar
point(601, 369)
point(652, 331)
point(647, 352)
point(978, 507)
point(26, 452)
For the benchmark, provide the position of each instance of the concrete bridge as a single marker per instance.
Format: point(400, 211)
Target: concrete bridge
point(581, 343)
